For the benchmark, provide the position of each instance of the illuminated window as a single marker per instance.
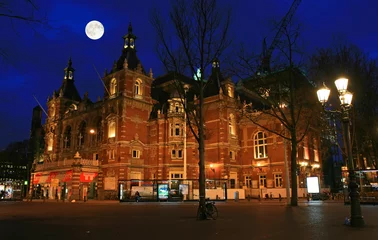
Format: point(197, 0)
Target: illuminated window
point(229, 92)
point(112, 129)
point(70, 75)
point(132, 43)
point(113, 87)
point(278, 180)
point(111, 154)
point(248, 181)
point(50, 142)
point(231, 124)
point(52, 110)
point(316, 156)
point(138, 88)
point(260, 143)
point(262, 181)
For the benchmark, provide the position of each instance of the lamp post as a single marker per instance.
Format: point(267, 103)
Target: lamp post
point(186, 89)
point(356, 219)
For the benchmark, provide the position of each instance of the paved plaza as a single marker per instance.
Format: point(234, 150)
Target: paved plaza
point(237, 220)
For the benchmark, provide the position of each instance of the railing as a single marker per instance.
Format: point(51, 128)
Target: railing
point(66, 163)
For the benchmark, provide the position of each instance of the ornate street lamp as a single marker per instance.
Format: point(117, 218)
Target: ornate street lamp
point(356, 219)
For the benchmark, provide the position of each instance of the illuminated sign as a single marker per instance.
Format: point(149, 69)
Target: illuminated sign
point(313, 185)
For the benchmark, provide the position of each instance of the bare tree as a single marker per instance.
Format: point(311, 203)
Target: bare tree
point(285, 96)
point(27, 12)
point(198, 35)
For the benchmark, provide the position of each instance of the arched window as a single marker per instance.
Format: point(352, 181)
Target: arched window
point(113, 87)
point(99, 131)
point(138, 88)
point(231, 124)
point(177, 107)
point(67, 138)
point(52, 110)
point(82, 134)
point(111, 129)
point(50, 142)
point(260, 143)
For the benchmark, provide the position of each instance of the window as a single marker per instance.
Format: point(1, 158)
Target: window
point(229, 91)
point(231, 124)
point(111, 154)
point(67, 137)
point(70, 75)
point(177, 129)
point(173, 153)
point(177, 107)
point(278, 180)
point(248, 181)
point(262, 180)
point(232, 155)
point(306, 153)
point(50, 142)
point(316, 156)
point(179, 152)
point(260, 145)
point(111, 129)
point(176, 175)
point(95, 156)
point(136, 154)
point(138, 88)
point(113, 87)
point(82, 134)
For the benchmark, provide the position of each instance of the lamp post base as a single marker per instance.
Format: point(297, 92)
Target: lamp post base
point(356, 219)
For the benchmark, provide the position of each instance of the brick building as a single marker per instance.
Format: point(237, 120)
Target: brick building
point(135, 138)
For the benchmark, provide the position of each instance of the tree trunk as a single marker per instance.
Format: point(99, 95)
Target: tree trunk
point(294, 185)
point(201, 215)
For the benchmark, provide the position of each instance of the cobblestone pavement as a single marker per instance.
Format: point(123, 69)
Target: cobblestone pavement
point(237, 220)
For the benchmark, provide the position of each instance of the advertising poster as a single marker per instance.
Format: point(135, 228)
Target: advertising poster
point(184, 189)
point(163, 191)
point(312, 185)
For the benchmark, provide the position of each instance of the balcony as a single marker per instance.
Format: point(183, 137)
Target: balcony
point(66, 163)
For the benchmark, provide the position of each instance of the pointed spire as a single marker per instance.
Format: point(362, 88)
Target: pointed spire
point(151, 74)
point(70, 62)
point(130, 29)
point(264, 47)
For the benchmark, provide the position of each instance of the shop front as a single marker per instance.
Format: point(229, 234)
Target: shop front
point(59, 185)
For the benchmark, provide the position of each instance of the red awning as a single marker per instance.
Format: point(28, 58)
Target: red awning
point(87, 176)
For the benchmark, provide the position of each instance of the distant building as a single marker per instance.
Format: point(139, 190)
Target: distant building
point(134, 138)
point(13, 170)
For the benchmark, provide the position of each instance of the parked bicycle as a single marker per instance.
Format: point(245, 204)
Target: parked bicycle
point(211, 210)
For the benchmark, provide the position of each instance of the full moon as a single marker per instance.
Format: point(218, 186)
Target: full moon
point(94, 30)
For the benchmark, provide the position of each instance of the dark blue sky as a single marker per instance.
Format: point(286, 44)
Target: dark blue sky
point(37, 56)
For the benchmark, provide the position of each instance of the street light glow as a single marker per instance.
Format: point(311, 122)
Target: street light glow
point(341, 85)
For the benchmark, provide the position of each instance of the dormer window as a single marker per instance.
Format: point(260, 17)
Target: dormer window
point(113, 87)
point(229, 91)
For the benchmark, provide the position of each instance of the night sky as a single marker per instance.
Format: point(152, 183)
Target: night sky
point(36, 56)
